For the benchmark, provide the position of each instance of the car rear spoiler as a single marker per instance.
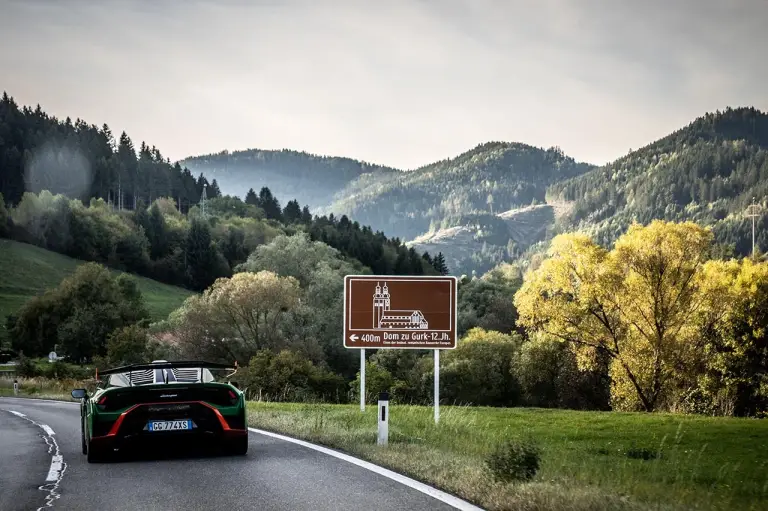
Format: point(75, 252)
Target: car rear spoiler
point(185, 364)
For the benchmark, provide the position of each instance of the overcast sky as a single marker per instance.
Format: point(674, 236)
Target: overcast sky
point(397, 82)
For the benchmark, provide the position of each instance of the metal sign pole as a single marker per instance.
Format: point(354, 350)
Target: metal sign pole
point(437, 386)
point(362, 380)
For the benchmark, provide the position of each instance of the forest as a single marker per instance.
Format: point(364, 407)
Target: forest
point(707, 172)
point(662, 318)
point(70, 188)
point(491, 178)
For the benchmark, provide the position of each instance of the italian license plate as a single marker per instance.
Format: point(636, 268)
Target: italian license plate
point(180, 425)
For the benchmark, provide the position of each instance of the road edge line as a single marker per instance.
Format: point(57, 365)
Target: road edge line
point(57, 467)
point(433, 492)
point(33, 399)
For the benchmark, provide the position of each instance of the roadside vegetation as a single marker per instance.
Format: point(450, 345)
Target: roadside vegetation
point(588, 460)
point(29, 271)
point(609, 376)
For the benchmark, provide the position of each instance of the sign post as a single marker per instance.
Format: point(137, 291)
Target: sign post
point(437, 386)
point(362, 380)
point(400, 312)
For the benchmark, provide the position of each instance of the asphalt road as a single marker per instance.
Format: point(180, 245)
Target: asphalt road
point(274, 475)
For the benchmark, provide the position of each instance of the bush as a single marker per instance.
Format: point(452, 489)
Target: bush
point(60, 370)
point(512, 461)
point(25, 368)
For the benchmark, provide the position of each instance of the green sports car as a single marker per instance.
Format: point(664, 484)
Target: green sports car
point(162, 401)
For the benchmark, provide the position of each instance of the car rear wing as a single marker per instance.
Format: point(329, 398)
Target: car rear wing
point(184, 364)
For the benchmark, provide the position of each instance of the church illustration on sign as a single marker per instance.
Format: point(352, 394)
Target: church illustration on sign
point(384, 317)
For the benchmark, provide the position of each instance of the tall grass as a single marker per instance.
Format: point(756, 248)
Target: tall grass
point(590, 460)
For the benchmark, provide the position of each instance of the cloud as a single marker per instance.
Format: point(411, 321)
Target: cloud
point(401, 83)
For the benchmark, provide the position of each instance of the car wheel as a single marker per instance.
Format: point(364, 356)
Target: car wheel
point(95, 455)
point(82, 437)
point(238, 446)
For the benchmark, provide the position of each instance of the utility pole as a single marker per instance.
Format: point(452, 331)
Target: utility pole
point(202, 201)
point(753, 211)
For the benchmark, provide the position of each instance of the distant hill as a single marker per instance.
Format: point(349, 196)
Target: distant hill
point(492, 177)
point(494, 202)
point(29, 271)
point(308, 178)
point(708, 172)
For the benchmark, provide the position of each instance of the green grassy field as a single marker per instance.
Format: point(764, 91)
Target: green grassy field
point(27, 271)
point(587, 462)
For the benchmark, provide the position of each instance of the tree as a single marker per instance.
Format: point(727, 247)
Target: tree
point(319, 269)
point(292, 212)
point(156, 232)
point(306, 216)
point(439, 264)
point(479, 370)
point(213, 190)
point(79, 314)
point(201, 256)
point(238, 316)
point(638, 304)
point(735, 377)
point(269, 204)
point(251, 198)
point(4, 218)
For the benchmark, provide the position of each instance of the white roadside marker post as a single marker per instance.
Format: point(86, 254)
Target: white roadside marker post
point(15, 387)
point(383, 438)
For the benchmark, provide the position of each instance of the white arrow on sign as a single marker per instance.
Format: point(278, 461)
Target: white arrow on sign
point(353, 337)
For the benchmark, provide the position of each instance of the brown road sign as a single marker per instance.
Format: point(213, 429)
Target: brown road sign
point(399, 312)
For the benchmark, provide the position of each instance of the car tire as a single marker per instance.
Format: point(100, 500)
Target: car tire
point(94, 455)
point(82, 437)
point(238, 446)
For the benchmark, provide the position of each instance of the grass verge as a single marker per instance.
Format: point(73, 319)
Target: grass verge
point(29, 271)
point(590, 460)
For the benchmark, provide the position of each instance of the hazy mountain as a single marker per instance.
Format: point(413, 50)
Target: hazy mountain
point(494, 202)
point(311, 179)
point(492, 177)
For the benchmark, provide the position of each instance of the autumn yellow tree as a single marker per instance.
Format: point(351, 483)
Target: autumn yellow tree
point(735, 378)
point(641, 304)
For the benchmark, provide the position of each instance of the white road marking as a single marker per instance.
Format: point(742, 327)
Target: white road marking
point(407, 481)
point(58, 466)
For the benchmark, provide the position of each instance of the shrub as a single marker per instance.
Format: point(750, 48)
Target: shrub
point(513, 461)
point(25, 367)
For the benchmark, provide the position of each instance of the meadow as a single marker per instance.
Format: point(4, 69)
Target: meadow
point(589, 460)
point(27, 271)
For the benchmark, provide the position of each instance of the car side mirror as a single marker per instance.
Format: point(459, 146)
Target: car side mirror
point(79, 393)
